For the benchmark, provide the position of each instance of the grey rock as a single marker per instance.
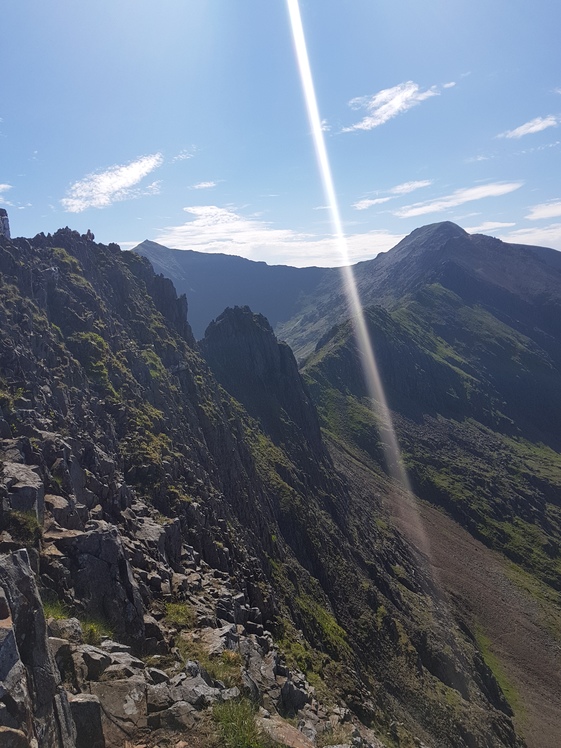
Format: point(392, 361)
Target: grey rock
point(124, 708)
point(157, 676)
point(86, 712)
point(66, 628)
point(90, 662)
point(64, 511)
point(112, 647)
point(293, 696)
point(196, 692)
point(158, 697)
point(28, 672)
point(180, 716)
point(103, 580)
point(26, 492)
point(218, 640)
point(10, 738)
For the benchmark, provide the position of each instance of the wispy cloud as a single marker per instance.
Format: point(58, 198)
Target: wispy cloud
point(182, 156)
point(459, 197)
point(543, 147)
point(546, 236)
point(366, 203)
point(406, 187)
point(535, 125)
point(476, 159)
point(103, 188)
point(203, 186)
point(388, 103)
point(545, 210)
point(400, 189)
point(215, 229)
point(488, 226)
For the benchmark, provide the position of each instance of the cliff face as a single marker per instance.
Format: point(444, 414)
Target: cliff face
point(194, 543)
point(262, 374)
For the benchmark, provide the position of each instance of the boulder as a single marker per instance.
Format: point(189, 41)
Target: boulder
point(66, 628)
point(194, 691)
point(180, 716)
point(283, 733)
point(103, 580)
point(124, 708)
point(26, 492)
point(86, 711)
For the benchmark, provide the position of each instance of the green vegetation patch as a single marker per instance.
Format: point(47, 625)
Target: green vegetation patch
point(24, 527)
point(494, 663)
point(237, 726)
point(224, 667)
point(181, 615)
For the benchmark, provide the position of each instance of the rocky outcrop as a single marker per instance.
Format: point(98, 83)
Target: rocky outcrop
point(32, 698)
point(262, 374)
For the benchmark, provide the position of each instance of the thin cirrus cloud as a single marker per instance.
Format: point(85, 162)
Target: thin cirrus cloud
point(214, 229)
point(367, 203)
point(388, 103)
point(528, 128)
point(406, 187)
point(458, 197)
point(203, 185)
point(400, 189)
point(182, 156)
point(545, 210)
point(103, 188)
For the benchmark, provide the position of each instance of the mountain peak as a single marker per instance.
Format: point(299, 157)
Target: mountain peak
point(433, 235)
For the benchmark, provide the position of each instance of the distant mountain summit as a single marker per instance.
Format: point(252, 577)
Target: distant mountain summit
point(518, 281)
point(303, 304)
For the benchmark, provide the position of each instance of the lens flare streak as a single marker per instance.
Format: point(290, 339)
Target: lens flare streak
point(364, 344)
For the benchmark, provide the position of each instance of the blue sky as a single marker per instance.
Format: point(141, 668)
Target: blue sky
point(184, 122)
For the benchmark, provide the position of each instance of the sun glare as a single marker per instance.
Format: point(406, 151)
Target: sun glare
point(368, 359)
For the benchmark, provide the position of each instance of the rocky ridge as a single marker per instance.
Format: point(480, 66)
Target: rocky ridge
point(183, 557)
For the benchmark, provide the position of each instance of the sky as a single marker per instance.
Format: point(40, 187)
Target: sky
point(184, 122)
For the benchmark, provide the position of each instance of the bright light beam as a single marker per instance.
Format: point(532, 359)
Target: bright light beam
point(366, 351)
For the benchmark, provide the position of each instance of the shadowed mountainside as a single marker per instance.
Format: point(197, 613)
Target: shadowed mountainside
point(213, 282)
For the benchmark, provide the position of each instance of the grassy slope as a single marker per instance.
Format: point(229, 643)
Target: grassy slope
point(472, 443)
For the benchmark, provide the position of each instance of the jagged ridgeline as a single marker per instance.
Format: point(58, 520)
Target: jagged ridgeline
point(197, 552)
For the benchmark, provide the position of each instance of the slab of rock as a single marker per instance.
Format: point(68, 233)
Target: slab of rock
point(37, 704)
point(123, 708)
point(86, 711)
point(180, 716)
point(217, 640)
point(66, 628)
point(284, 733)
point(103, 580)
